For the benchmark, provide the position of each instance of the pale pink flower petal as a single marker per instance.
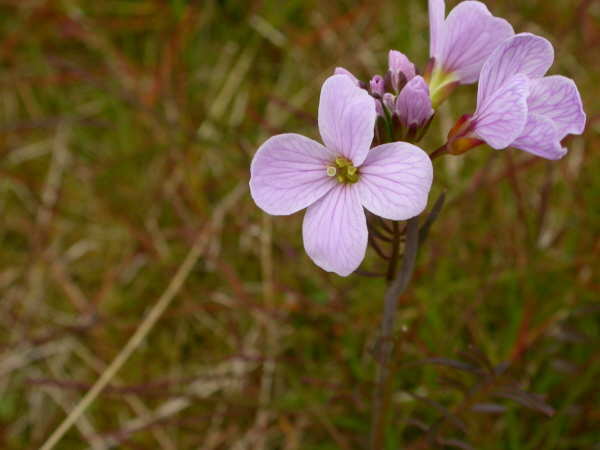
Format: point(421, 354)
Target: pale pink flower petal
point(470, 35)
point(342, 71)
point(289, 172)
point(540, 137)
point(335, 230)
point(395, 180)
point(398, 62)
point(524, 53)
point(346, 118)
point(501, 117)
point(414, 103)
point(437, 14)
point(557, 98)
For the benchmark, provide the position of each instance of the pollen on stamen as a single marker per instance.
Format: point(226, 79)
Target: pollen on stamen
point(331, 171)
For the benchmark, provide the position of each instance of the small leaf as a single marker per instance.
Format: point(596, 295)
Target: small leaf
point(501, 368)
point(448, 362)
point(456, 443)
point(488, 408)
point(529, 400)
point(478, 353)
point(441, 409)
point(432, 217)
point(454, 383)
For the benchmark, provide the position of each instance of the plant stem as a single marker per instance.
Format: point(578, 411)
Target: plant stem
point(384, 385)
point(438, 152)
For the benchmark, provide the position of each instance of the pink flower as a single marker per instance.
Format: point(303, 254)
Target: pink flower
point(517, 106)
point(553, 106)
point(461, 43)
point(290, 172)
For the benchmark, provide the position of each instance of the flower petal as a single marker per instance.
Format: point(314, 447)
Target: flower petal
point(394, 181)
point(414, 103)
point(471, 35)
point(557, 98)
point(437, 13)
point(346, 118)
point(540, 137)
point(342, 71)
point(335, 230)
point(289, 172)
point(398, 62)
point(524, 53)
point(502, 116)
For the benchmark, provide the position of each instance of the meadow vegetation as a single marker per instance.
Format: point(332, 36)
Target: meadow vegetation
point(127, 128)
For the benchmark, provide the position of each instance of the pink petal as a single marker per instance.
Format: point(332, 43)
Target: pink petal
point(342, 71)
point(437, 13)
point(540, 137)
point(502, 116)
point(471, 35)
point(289, 172)
point(557, 98)
point(524, 53)
point(394, 181)
point(414, 103)
point(346, 118)
point(335, 230)
point(398, 62)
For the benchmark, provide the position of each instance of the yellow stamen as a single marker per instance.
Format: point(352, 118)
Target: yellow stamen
point(345, 171)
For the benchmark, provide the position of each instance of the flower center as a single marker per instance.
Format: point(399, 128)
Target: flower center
point(343, 170)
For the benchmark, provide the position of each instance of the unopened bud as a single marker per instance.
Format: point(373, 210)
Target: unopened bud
point(389, 101)
point(377, 86)
point(414, 110)
point(398, 62)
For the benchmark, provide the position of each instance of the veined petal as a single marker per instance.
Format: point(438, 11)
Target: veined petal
point(524, 53)
point(437, 13)
point(335, 230)
point(346, 118)
point(398, 62)
point(395, 180)
point(414, 103)
point(540, 137)
point(342, 71)
point(471, 35)
point(557, 98)
point(502, 116)
point(289, 173)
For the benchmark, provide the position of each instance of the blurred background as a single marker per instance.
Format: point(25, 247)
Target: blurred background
point(126, 133)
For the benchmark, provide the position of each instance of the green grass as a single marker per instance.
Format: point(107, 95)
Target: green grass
point(125, 125)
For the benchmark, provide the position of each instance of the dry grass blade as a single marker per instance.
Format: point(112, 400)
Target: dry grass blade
point(152, 317)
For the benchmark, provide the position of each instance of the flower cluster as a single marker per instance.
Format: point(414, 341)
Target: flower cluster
point(369, 159)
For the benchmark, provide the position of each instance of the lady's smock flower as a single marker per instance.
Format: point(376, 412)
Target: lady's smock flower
point(518, 106)
point(554, 107)
point(290, 172)
point(460, 44)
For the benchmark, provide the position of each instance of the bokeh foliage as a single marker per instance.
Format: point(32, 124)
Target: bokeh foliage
point(126, 126)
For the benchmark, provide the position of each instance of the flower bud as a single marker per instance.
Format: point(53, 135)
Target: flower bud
point(389, 101)
point(377, 86)
point(414, 110)
point(398, 62)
